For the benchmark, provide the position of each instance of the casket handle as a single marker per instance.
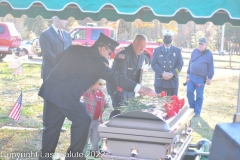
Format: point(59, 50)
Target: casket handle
point(134, 152)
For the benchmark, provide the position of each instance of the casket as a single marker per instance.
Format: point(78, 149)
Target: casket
point(146, 136)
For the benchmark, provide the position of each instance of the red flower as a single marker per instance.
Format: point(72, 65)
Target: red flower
point(162, 94)
point(166, 106)
point(119, 89)
point(188, 80)
point(173, 107)
point(198, 85)
point(170, 113)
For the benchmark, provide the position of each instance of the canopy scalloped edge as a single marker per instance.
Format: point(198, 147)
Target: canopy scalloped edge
point(108, 11)
point(118, 10)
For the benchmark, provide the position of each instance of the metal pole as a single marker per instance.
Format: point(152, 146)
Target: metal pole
point(230, 55)
point(237, 114)
point(222, 39)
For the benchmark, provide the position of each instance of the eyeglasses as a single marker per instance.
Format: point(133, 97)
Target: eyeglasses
point(101, 84)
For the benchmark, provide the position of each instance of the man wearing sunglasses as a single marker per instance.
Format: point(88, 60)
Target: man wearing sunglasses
point(200, 72)
point(167, 63)
point(77, 69)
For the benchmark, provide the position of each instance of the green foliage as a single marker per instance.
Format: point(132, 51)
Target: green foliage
point(4, 119)
point(141, 103)
point(36, 25)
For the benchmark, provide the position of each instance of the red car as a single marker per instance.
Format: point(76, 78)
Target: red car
point(10, 39)
point(86, 36)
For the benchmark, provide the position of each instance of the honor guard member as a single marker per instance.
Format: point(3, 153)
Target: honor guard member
point(128, 62)
point(77, 69)
point(167, 63)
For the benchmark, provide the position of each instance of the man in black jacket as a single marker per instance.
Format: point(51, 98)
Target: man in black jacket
point(128, 62)
point(79, 67)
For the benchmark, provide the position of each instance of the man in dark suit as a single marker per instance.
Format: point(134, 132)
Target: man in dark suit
point(128, 62)
point(79, 67)
point(167, 63)
point(53, 41)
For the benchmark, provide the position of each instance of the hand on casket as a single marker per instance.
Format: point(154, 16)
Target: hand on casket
point(147, 91)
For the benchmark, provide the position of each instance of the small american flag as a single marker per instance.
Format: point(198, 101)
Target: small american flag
point(16, 110)
point(121, 56)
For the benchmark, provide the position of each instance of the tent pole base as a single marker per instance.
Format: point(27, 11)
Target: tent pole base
point(236, 117)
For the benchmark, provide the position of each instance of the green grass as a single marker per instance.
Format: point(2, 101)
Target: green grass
point(219, 106)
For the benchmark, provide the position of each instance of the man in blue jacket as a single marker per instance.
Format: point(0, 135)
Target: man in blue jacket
point(200, 72)
point(167, 63)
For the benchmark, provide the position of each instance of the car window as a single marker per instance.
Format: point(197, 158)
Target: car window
point(79, 34)
point(13, 30)
point(96, 33)
point(2, 29)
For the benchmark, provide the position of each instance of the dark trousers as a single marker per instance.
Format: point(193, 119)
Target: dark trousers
point(168, 91)
point(53, 118)
point(120, 99)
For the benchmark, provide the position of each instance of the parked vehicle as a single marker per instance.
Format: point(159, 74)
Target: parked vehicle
point(10, 39)
point(88, 35)
point(30, 48)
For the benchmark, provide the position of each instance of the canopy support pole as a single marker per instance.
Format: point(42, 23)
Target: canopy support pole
point(237, 115)
point(222, 39)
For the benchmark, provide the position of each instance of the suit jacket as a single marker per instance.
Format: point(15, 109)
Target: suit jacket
point(128, 64)
point(168, 62)
point(78, 69)
point(52, 45)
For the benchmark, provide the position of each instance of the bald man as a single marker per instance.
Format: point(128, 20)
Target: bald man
point(128, 62)
point(53, 41)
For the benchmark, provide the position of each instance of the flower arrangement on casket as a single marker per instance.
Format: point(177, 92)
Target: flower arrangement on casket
point(163, 106)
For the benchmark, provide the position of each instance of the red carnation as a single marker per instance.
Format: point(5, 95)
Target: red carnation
point(162, 94)
point(170, 113)
point(119, 89)
point(166, 106)
point(188, 80)
point(198, 85)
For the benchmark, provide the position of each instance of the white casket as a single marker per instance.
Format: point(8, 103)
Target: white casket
point(146, 136)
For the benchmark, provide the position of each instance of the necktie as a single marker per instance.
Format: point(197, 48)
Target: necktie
point(59, 34)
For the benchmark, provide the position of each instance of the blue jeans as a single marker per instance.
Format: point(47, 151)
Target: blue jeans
point(195, 83)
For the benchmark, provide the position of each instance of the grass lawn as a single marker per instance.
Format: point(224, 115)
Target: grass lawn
point(219, 106)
